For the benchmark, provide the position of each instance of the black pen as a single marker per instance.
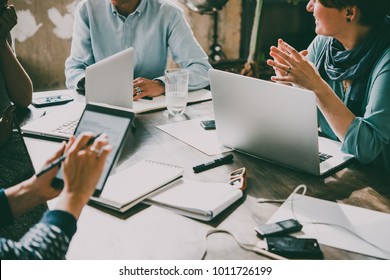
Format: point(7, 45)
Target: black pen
point(214, 163)
point(62, 158)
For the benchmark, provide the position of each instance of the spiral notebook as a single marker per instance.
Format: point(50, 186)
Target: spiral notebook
point(127, 188)
point(198, 200)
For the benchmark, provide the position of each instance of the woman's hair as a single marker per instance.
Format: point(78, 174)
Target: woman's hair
point(372, 11)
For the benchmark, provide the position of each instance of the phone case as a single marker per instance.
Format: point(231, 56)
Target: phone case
point(51, 101)
point(295, 248)
point(210, 124)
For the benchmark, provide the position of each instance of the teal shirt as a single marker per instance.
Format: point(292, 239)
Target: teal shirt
point(368, 136)
point(156, 29)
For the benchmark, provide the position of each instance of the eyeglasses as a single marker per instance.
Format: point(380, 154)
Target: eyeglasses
point(237, 178)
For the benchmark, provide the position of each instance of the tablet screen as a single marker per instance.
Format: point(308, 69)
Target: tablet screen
point(115, 124)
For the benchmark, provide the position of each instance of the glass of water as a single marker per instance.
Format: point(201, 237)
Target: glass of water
point(176, 91)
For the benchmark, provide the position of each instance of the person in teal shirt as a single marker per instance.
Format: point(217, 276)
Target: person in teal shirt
point(154, 28)
point(347, 66)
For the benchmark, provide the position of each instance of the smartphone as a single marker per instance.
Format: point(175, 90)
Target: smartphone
point(295, 248)
point(208, 124)
point(51, 100)
point(279, 228)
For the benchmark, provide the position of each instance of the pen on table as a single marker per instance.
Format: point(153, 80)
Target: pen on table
point(214, 163)
point(62, 158)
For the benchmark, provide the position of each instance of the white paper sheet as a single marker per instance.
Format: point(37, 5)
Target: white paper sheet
point(191, 133)
point(338, 225)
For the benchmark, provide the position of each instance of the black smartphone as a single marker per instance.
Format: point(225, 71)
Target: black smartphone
point(208, 124)
point(51, 100)
point(279, 228)
point(295, 248)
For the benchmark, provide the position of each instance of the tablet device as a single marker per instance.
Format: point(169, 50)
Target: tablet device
point(115, 123)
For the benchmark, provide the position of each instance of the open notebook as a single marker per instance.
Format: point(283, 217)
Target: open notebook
point(199, 200)
point(127, 188)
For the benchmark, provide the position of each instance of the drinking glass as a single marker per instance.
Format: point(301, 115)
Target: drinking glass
point(176, 91)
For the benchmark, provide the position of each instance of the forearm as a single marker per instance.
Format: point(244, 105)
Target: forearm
point(187, 52)
point(18, 83)
point(21, 198)
point(198, 77)
point(334, 110)
point(71, 203)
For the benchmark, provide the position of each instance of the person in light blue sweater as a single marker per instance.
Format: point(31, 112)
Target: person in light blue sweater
point(347, 66)
point(154, 28)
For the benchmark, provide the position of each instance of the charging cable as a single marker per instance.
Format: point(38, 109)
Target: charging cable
point(293, 198)
point(257, 248)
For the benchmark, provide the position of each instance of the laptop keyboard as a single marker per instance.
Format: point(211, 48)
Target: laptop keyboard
point(324, 156)
point(68, 128)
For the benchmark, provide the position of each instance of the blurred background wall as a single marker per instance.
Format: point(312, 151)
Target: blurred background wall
point(43, 34)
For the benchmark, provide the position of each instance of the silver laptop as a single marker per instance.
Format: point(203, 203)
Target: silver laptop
point(108, 82)
point(271, 121)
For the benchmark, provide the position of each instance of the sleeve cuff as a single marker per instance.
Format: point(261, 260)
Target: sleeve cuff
point(5, 210)
point(161, 80)
point(64, 220)
point(80, 84)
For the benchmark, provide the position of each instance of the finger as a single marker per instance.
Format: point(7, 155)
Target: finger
point(280, 41)
point(80, 143)
point(99, 143)
point(304, 52)
point(139, 96)
point(279, 54)
point(274, 63)
point(138, 81)
point(279, 68)
point(137, 90)
point(70, 143)
point(104, 153)
point(281, 79)
point(293, 52)
point(58, 153)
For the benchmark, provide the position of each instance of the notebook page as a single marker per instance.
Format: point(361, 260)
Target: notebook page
point(132, 183)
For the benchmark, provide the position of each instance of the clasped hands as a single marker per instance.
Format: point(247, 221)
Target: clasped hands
point(292, 67)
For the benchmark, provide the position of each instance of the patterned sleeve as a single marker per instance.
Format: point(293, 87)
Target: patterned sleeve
point(49, 239)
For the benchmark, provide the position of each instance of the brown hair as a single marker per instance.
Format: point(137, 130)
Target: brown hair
point(372, 12)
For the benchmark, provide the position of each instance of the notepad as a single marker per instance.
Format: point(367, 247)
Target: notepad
point(127, 188)
point(199, 200)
